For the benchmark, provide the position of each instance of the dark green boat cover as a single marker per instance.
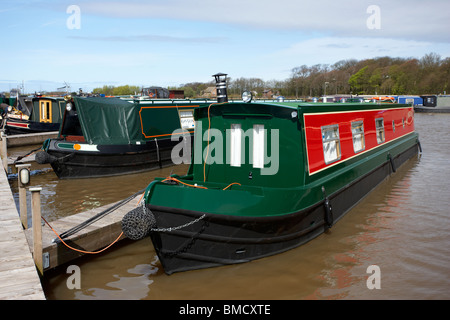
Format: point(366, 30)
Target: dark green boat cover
point(108, 120)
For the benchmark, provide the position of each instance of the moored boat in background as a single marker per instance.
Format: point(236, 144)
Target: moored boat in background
point(42, 114)
point(110, 136)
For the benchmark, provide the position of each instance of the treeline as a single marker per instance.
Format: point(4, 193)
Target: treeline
point(383, 76)
point(117, 91)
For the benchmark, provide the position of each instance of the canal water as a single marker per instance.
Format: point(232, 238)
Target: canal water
point(402, 228)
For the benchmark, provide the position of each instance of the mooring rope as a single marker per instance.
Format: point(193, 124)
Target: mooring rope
point(26, 155)
point(98, 216)
point(78, 250)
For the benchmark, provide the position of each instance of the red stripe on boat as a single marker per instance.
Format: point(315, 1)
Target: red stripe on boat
point(16, 124)
point(315, 121)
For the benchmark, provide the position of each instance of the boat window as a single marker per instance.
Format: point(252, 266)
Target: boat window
point(403, 122)
point(45, 111)
point(393, 125)
point(331, 143)
point(235, 145)
point(187, 119)
point(358, 136)
point(258, 146)
point(379, 124)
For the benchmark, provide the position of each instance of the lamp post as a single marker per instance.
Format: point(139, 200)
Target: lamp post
point(221, 87)
point(325, 88)
point(23, 176)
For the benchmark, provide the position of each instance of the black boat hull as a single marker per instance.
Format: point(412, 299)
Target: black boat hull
point(24, 126)
point(209, 240)
point(110, 160)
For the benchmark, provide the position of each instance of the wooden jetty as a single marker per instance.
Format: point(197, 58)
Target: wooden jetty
point(93, 238)
point(27, 254)
point(19, 279)
point(22, 140)
point(29, 138)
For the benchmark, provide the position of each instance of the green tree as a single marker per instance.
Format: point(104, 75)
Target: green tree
point(359, 81)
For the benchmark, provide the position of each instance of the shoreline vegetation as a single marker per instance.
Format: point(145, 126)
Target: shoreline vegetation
point(380, 76)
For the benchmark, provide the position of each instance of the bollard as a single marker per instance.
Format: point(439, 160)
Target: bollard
point(37, 228)
point(23, 179)
point(3, 150)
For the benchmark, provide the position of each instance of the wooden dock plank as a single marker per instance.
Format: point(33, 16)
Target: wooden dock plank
point(18, 276)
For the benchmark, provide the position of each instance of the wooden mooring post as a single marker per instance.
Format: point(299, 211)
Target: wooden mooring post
point(3, 150)
point(37, 228)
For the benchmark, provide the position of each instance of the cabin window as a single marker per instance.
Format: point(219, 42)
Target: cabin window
point(403, 122)
point(379, 124)
point(358, 136)
point(187, 119)
point(331, 143)
point(235, 145)
point(45, 111)
point(393, 125)
point(258, 146)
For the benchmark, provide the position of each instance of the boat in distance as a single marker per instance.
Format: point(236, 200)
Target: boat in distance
point(33, 115)
point(102, 136)
point(265, 178)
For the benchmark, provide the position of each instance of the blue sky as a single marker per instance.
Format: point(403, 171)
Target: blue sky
point(171, 42)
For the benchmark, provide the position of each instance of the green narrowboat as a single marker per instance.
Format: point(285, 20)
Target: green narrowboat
point(267, 177)
point(109, 136)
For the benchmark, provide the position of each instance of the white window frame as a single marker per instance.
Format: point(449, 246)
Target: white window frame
point(380, 130)
point(330, 143)
point(358, 136)
point(235, 145)
point(186, 118)
point(258, 146)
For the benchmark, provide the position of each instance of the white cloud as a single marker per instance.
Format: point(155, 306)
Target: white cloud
point(151, 38)
point(413, 19)
point(332, 49)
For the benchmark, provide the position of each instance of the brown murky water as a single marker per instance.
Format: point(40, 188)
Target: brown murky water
point(403, 227)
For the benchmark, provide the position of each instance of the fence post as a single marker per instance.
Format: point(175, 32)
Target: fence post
point(23, 194)
point(37, 228)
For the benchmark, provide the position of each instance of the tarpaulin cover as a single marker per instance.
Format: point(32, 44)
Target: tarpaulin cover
point(108, 120)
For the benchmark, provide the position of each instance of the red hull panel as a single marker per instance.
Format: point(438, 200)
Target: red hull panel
point(401, 118)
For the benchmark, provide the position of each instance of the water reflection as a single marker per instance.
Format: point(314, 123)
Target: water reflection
point(125, 287)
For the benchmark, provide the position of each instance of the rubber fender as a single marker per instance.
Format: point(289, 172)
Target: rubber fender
point(137, 223)
point(43, 157)
point(328, 213)
point(328, 217)
point(392, 163)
